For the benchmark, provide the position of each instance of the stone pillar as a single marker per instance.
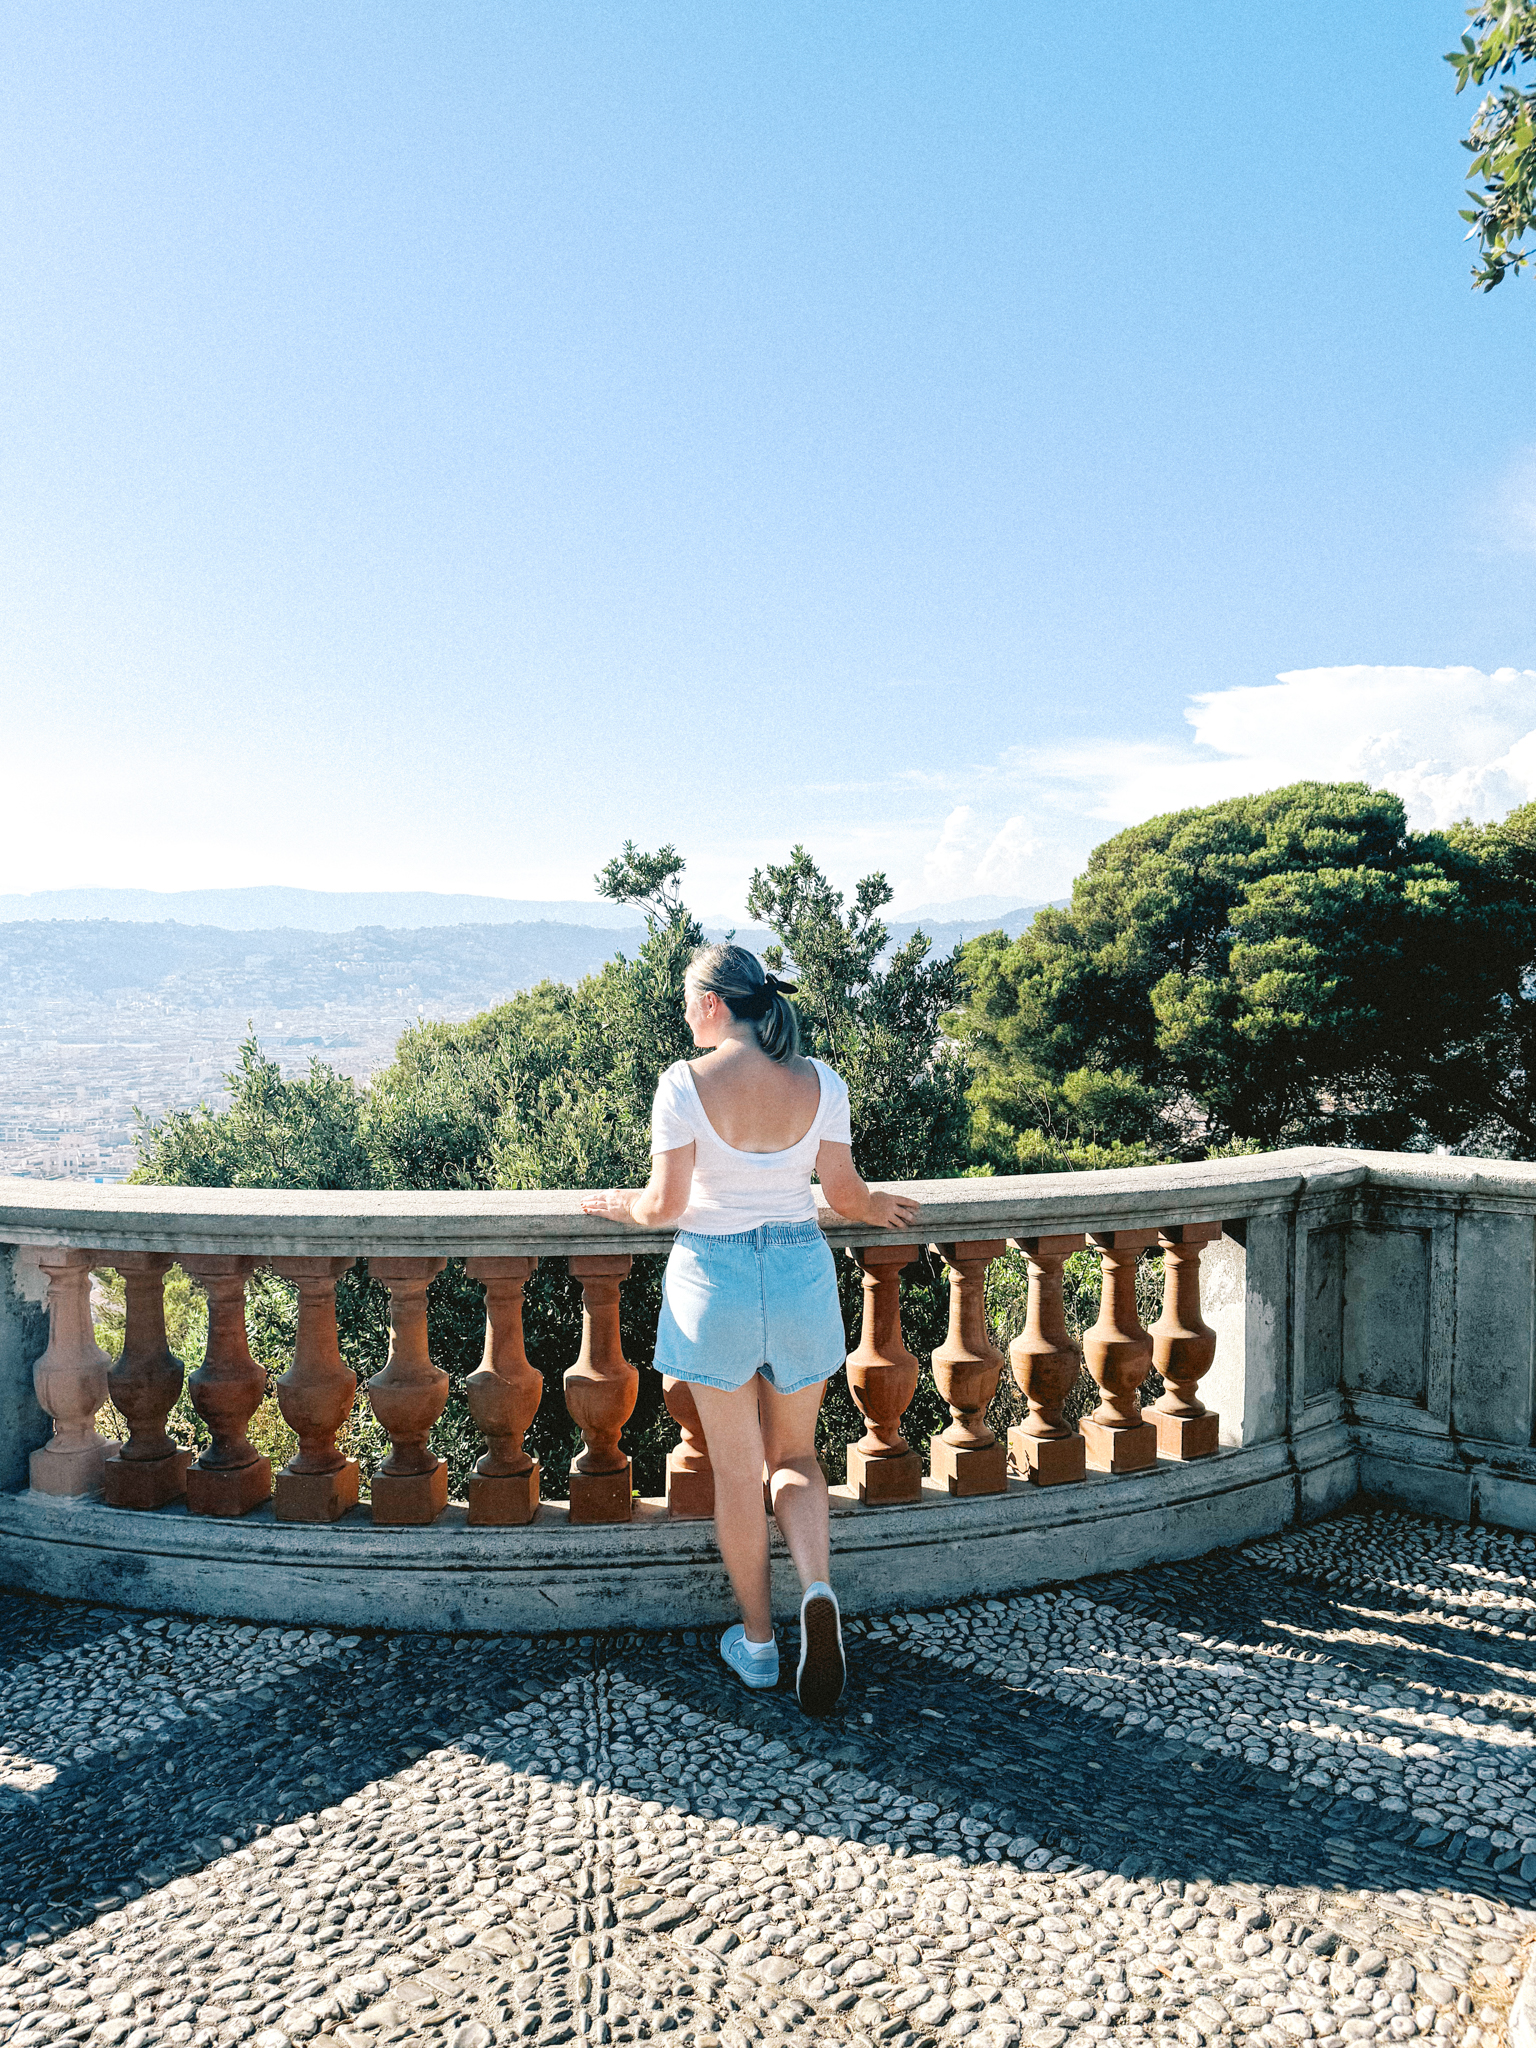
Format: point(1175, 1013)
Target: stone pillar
point(1183, 1347)
point(24, 1424)
point(319, 1482)
point(1256, 1293)
point(1118, 1352)
point(231, 1476)
point(70, 1380)
point(504, 1394)
point(882, 1378)
point(1045, 1447)
point(690, 1476)
point(600, 1392)
point(410, 1488)
point(149, 1469)
point(966, 1368)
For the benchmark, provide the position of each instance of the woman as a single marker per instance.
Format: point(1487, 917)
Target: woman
point(750, 1315)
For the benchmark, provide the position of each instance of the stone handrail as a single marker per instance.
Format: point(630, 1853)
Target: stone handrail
point(300, 1223)
point(1350, 1317)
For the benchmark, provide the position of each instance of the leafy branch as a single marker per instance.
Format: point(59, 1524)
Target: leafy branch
point(1502, 138)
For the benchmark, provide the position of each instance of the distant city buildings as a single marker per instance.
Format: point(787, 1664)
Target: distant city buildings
point(100, 1018)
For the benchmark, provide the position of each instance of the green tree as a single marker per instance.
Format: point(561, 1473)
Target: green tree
point(878, 1021)
point(1024, 1120)
point(276, 1133)
point(1291, 967)
point(1503, 1054)
point(1502, 139)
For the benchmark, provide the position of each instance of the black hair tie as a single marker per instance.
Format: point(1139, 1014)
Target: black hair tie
point(754, 1008)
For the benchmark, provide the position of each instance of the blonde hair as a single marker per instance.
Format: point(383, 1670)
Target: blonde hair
point(738, 978)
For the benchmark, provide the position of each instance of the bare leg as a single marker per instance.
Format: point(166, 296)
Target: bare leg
point(796, 1481)
point(735, 1439)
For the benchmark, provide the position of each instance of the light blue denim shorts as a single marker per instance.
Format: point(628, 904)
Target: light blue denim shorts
point(761, 1300)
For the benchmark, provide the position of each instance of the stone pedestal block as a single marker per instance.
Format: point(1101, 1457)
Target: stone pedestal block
point(315, 1496)
point(969, 1469)
point(228, 1489)
point(503, 1500)
point(1133, 1449)
point(602, 1496)
point(691, 1490)
point(75, 1470)
point(885, 1482)
point(144, 1482)
point(1186, 1436)
point(410, 1499)
point(1048, 1460)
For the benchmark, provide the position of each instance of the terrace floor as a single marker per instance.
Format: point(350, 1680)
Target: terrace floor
point(1284, 1792)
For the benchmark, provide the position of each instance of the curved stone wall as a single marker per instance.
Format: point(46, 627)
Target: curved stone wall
point(1375, 1318)
point(656, 1573)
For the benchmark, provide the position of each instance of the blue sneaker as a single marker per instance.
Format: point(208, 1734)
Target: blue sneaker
point(822, 1672)
point(755, 1664)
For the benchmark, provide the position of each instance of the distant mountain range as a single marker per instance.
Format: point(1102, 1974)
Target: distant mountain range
point(988, 911)
point(272, 911)
point(307, 910)
point(192, 967)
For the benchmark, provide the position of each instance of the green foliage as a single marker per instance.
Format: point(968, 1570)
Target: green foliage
point(275, 1133)
point(1287, 968)
point(1502, 139)
point(879, 1024)
point(1023, 1121)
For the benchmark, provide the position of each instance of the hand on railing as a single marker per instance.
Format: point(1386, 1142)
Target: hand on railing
point(889, 1212)
point(615, 1205)
point(847, 1191)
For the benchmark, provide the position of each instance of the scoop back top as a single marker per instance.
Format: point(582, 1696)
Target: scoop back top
point(736, 1191)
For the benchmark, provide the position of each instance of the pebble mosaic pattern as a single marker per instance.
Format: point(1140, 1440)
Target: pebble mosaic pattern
point(1282, 1794)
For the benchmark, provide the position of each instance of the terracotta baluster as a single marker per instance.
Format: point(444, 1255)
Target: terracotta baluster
point(231, 1476)
point(504, 1394)
point(70, 1380)
point(690, 1476)
point(319, 1482)
point(1183, 1346)
point(1045, 1447)
point(411, 1486)
point(149, 1469)
point(600, 1391)
point(1118, 1352)
point(882, 1377)
point(966, 1368)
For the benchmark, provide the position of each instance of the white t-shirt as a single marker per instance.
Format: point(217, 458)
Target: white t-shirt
point(734, 1190)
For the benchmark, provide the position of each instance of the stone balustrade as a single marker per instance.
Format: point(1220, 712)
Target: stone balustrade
point(320, 1483)
point(1329, 1320)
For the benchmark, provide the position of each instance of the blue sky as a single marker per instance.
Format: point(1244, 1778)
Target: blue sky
point(441, 442)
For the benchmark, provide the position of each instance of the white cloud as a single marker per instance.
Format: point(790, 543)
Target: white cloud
point(951, 863)
point(1452, 742)
point(1006, 864)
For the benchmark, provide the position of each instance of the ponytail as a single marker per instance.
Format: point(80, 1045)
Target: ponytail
point(750, 994)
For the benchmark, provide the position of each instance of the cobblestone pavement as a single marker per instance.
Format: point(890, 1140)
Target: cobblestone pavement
point(1284, 1793)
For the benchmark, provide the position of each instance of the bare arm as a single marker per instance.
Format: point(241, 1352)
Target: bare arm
point(659, 1204)
point(852, 1196)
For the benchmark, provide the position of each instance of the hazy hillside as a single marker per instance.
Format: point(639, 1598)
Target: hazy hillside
point(102, 1015)
point(313, 910)
point(200, 965)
